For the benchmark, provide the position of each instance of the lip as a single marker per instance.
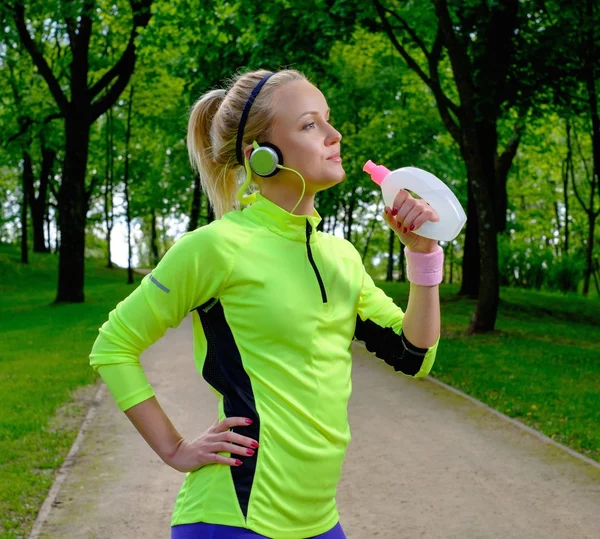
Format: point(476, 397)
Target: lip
point(336, 155)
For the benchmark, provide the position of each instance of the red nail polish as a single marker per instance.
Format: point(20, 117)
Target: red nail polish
point(399, 225)
point(249, 421)
point(254, 444)
point(395, 212)
point(405, 230)
point(412, 227)
point(238, 462)
point(249, 452)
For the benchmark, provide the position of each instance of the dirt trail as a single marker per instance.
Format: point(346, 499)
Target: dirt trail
point(423, 462)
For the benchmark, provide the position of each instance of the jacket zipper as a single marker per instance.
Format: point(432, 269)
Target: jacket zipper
point(312, 262)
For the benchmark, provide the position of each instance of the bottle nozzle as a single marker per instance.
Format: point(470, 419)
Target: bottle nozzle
point(377, 172)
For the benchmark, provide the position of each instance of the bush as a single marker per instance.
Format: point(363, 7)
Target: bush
point(522, 265)
point(566, 273)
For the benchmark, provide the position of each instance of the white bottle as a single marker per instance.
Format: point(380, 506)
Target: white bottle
point(429, 188)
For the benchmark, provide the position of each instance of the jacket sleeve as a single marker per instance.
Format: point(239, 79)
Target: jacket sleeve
point(379, 326)
point(191, 272)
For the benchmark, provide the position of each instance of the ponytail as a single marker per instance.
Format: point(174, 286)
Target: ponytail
point(218, 180)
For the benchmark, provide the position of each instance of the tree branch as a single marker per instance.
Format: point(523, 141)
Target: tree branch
point(118, 69)
point(504, 161)
point(124, 67)
point(458, 56)
point(39, 60)
point(418, 41)
point(412, 63)
point(444, 102)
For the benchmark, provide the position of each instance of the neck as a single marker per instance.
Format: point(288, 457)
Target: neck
point(288, 198)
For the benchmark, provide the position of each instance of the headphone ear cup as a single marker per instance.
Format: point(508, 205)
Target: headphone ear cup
point(265, 159)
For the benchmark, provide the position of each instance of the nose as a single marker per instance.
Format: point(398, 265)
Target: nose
point(334, 136)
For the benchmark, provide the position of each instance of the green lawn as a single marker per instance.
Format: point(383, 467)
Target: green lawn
point(43, 359)
point(542, 366)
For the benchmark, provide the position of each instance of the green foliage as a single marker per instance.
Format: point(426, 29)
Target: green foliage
point(43, 361)
point(566, 273)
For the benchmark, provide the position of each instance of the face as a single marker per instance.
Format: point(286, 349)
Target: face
point(306, 138)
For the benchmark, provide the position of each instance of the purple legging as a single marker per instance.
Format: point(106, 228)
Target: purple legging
point(201, 530)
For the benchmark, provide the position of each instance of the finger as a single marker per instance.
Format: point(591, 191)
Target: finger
point(390, 220)
point(219, 447)
point(424, 217)
point(405, 210)
point(220, 459)
point(235, 438)
point(400, 198)
point(230, 422)
point(412, 215)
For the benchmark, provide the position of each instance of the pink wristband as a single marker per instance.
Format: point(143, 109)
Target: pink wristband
point(425, 269)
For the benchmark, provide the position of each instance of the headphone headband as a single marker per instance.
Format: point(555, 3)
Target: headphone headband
point(244, 118)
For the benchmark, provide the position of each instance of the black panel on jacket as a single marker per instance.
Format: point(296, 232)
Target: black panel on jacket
point(396, 350)
point(223, 370)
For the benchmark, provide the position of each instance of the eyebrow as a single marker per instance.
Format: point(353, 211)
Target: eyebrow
point(310, 112)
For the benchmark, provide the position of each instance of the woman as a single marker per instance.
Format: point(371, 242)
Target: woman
point(275, 307)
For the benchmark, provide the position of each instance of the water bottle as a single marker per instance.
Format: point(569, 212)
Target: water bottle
point(429, 188)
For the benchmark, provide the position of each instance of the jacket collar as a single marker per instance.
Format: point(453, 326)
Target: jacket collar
point(280, 221)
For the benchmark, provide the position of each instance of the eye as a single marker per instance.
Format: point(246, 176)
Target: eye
point(311, 124)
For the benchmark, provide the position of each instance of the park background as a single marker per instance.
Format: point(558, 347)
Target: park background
point(498, 99)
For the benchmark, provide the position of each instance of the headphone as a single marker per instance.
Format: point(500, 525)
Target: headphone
point(266, 159)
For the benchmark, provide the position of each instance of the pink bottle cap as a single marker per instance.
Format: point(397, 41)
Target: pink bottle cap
point(377, 172)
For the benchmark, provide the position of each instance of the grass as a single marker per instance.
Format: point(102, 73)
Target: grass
point(541, 365)
point(43, 361)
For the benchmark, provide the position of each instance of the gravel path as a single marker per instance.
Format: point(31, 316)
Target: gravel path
point(423, 462)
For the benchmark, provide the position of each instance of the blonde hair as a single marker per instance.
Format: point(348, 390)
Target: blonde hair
point(212, 132)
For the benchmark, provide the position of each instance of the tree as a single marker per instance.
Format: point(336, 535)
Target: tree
point(477, 42)
point(79, 112)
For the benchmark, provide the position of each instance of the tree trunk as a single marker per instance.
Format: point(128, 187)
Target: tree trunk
point(153, 238)
point(126, 180)
point(565, 180)
point(480, 154)
point(38, 203)
point(350, 216)
point(401, 265)
point(47, 225)
point(590, 76)
point(196, 201)
point(72, 206)
point(108, 186)
point(370, 235)
point(210, 214)
point(24, 249)
point(390, 265)
point(471, 259)
point(451, 249)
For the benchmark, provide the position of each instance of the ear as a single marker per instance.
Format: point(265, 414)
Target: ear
point(248, 150)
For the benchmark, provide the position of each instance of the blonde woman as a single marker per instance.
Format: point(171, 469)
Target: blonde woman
point(276, 305)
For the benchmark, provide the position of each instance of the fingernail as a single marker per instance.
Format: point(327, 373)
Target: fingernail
point(412, 227)
point(238, 462)
point(405, 230)
point(249, 452)
point(386, 210)
point(399, 225)
point(395, 212)
point(254, 444)
point(249, 421)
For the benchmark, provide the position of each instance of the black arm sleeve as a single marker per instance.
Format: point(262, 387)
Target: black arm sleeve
point(396, 350)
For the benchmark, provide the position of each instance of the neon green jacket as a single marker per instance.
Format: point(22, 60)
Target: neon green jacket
point(275, 306)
